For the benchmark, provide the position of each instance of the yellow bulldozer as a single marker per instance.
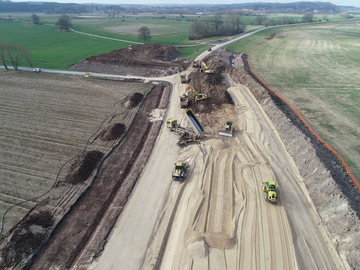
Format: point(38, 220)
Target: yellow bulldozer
point(227, 130)
point(180, 171)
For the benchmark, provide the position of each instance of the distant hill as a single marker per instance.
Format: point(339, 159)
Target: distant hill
point(70, 8)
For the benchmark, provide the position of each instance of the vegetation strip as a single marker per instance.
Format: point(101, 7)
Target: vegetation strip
point(356, 183)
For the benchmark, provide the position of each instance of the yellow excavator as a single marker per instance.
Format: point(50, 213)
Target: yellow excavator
point(204, 68)
point(198, 96)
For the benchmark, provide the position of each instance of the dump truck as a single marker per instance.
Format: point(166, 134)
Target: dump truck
point(194, 133)
point(173, 125)
point(204, 68)
point(184, 102)
point(227, 129)
point(198, 96)
point(180, 171)
point(183, 78)
point(269, 187)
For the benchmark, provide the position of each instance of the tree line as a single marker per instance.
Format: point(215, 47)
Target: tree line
point(14, 54)
point(217, 25)
point(250, 8)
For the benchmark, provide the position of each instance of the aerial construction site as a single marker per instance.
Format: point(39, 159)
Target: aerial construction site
point(215, 172)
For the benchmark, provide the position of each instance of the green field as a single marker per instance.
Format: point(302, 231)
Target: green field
point(51, 48)
point(317, 69)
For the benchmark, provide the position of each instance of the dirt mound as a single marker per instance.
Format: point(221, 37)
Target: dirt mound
point(212, 84)
point(113, 132)
point(26, 238)
point(82, 168)
point(133, 100)
point(142, 60)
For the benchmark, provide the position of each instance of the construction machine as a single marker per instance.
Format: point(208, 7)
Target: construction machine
point(227, 130)
point(204, 68)
point(194, 133)
point(269, 187)
point(184, 102)
point(196, 63)
point(198, 96)
point(180, 171)
point(183, 78)
point(173, 125)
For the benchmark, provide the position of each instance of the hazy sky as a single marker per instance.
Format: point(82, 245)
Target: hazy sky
point(355, 3)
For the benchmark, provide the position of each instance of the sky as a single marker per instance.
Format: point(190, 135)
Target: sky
point(355, 3)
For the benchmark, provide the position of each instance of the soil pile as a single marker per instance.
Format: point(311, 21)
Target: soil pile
point(141, 60)
point(82, 168)
point(26, 238)
point(212, 84)
point(133, 100)
point(113, 132)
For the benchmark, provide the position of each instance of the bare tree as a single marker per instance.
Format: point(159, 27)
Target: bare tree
point(144, 34)
point(3, 49)
point(260, 19)
point(64, 22)
point(216, 21)
point(235, 21)
point(15, 54)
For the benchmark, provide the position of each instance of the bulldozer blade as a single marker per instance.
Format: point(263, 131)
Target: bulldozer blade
point(225, 134)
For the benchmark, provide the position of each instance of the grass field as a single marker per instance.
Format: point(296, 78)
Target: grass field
point(46, 120)
point(51, 48)
point(317, 69)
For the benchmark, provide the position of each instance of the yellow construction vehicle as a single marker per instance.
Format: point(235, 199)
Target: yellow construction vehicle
point(204, 68)
point(196, 63)
point(227, 130)
point(183, 78)
point(198, 96)
point(180, 171)
point(269, 187)
point(173, 126)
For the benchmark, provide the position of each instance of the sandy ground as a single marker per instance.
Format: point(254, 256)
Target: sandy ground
point(218, 218)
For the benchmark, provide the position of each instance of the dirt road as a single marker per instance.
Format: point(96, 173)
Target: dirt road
point(218, 218)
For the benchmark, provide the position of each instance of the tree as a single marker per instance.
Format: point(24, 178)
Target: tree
point(260, 19)
point(16, 53)
point(216, 21)
point(3, 50)
point(235, 21)
point(308, 17)
point(64, 22)
point(144, 34)
point(35, 19)
point(197, 30)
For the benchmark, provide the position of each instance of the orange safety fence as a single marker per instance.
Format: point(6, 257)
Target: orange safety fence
point(356, 183)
